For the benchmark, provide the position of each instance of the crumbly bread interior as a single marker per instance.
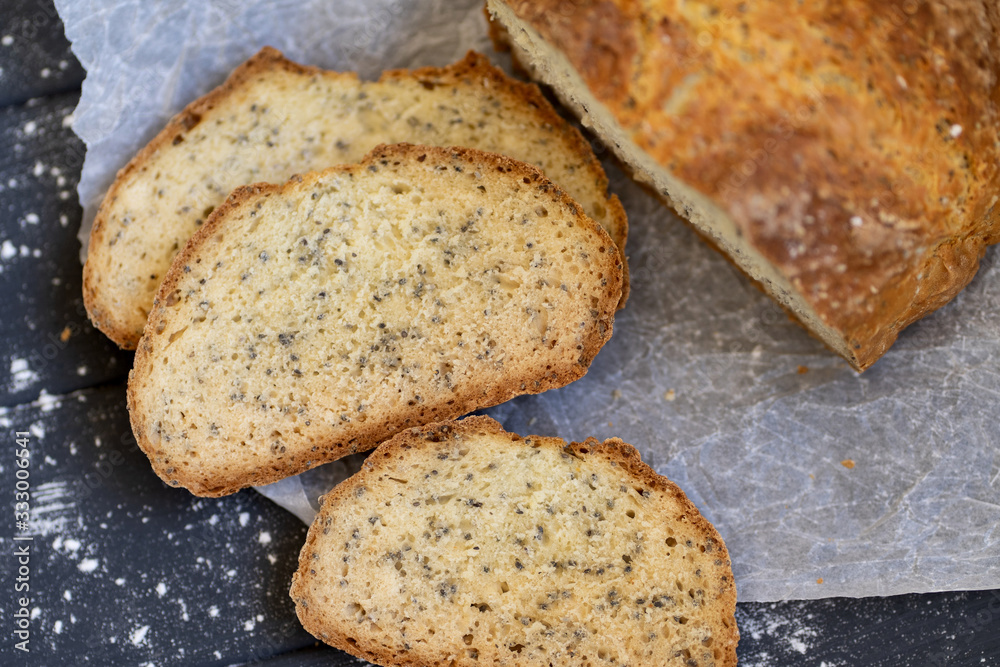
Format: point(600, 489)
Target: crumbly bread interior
point(550, 66)
point(308, 321)
point(461, 544)
point(275, 118)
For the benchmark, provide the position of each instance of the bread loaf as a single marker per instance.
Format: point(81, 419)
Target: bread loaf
point(845, 156)
point(460, 544)
point(273, 118)
point(308, 321)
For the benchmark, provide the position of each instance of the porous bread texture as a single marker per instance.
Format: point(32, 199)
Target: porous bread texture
point(461, 544)
point(309, 321)
point(846, 159)
point(273, 118)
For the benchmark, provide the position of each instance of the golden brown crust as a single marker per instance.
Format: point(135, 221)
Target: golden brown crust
point(214, 482)
point(106, 319)
point(613, 450)
point(855, 147)
point(477, 65)
point(126, 331)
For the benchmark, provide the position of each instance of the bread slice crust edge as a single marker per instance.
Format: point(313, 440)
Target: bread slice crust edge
point(612, 450)
point(125, 330)
point(597, 334)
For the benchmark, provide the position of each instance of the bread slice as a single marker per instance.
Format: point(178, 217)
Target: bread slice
point(308, 321)
point(273, 118)
point(461, 544)
point(855, 181)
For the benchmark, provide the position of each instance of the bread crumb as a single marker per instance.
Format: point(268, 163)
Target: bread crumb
point(669, 395)
point(802, 370)
point(820, 580)
point(573, 548)
point(847, 463)
point(466, 102)
point(616, 394)
point(277, 368)
point(65, 334)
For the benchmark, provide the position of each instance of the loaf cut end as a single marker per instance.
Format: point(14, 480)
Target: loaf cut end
point(459, 543)
point(843, 186)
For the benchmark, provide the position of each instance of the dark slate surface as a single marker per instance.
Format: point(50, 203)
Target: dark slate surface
point(48, 343)
point(128, 572)
point(34, 53)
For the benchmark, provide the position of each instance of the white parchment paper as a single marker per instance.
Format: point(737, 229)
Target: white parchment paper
point(877, 484)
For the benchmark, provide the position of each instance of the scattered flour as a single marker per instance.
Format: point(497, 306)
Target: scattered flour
point(53, 511)
point(138, 636)
point(21, 375)
point(264, 537)
point(88, 565)
point(46, 402)
point(791, 636)
point(798, 645)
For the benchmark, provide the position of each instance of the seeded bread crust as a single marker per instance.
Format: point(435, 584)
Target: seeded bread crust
point(124, 266)
point(344, 558)
point(214, 459)
point(846, 158)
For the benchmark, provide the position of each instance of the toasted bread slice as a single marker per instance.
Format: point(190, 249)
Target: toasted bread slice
point(308, 321)
point(274, 118)
point(461, 544)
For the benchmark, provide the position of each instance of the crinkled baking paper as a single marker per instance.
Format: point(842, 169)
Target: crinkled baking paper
point(883, 483)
